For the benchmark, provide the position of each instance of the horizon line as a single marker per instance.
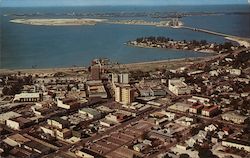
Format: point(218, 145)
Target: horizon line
point(117, 5)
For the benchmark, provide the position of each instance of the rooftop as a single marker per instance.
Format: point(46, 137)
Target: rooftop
point(90, 111)
point(28, 95)
point(236, 141)
point(211, 108)
point(60, 120)
point(36, 145)
point(8, 115)
point(21, 120)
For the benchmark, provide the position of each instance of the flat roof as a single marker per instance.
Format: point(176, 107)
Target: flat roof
point(36, 145)
point(90, 111)
point(177, 83)
point(28, 95)
point(236, 141)
point(8, 115)
point(234, 114)
point(91, 153)
point(197, 106)
point(21, 120)
point(60, 120)
point(209, 109)
point(179, 106)
point(18, 138)
point(21, 152)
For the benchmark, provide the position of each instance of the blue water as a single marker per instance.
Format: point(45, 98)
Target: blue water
point(24, 46)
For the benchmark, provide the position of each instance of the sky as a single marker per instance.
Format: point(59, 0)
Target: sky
point(24, 3)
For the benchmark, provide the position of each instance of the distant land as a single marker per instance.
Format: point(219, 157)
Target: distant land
point(57, 22)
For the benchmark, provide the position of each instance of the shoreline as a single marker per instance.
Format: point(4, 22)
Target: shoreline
point(116, 66)
point(239, 41)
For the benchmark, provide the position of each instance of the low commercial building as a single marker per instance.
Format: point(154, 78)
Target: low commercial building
point(210, 111)
point(145, 91)
point(182, 107)
point(18, 123)
point(185, 121)
point(140, 147)
point(68, 103)
point(107, 122)
point(48, 130)
point(178, 87)
point(214, 73)
point(91, 113)
point(7, 116)
point(236, 72)
point(239, 144)
point(119, 116)
point(196, 109)
point(158, 91)
point(22, 152)
point(16, 140)
point(162, 117)
point(41, 110)
point(57, 122)
point(234, 117)
point(96, 89)
point(195, 72)
point(63, 133)
point(28, 97)
point(37, 147)
point(197, 99)
point(84, 153)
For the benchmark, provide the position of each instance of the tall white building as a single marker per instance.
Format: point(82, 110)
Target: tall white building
point(124, 78)
point(120, 78)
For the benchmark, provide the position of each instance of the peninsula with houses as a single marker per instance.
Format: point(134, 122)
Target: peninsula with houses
point(198, 46)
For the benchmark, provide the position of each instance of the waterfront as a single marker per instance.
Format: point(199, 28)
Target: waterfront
point(65, 46)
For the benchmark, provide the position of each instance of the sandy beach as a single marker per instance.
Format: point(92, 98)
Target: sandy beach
point(144, 66)
point(239, 41)
point(57, 22)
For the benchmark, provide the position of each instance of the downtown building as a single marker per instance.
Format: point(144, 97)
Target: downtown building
point(124, 94)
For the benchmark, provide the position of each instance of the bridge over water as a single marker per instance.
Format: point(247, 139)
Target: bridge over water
point(241, 40)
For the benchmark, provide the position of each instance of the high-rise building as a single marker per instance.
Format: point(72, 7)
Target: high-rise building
point(127, 95)
point(118, 94)
point(114, 78)
point(123, 78)
point(120, 78)
point(124, 94)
